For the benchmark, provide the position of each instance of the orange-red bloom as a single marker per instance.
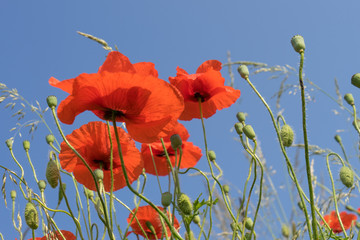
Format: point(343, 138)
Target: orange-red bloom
point(148, 105)
point(333, 222)
point(191, 154)
point(148, 214)
point(56, 236)
point(93, 144)
point(206, 84)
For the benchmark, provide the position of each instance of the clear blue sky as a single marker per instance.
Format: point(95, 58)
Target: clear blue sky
point(38, 40)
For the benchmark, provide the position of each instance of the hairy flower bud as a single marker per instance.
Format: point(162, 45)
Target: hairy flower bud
point(239, 128)
point(166, 198)
point(197, 220)
point(285, 231)
point(150, 227)
point(9, 143)
point(52, 173)
point(355, 80)
point(26, 145)
point(249, 132)
point(347, 176)
point(337, 138)
point(248, 223)
point(243, 71)
point(212, 155)
point(13, 194)
point(349, 99)
point(286, 135)
point(88, 193)
point(176, 141)
point(226, 189)
point(31, 216)
point(51, 101)
point(42, 185)
point(99, 174)
point(62, 190)
point(50, 138)
point(184, 204)
point(298, 43)
point(241, 116)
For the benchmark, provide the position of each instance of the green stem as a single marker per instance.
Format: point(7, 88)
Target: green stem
point(111, 176)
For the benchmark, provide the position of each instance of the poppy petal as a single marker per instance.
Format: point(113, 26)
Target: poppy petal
point(209, 65)
point(117, 62)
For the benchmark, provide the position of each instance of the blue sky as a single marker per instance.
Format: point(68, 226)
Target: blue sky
point(38, 40)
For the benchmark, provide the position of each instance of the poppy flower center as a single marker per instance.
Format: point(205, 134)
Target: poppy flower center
point(104, 165)
point(198, 96)
point(108, 114)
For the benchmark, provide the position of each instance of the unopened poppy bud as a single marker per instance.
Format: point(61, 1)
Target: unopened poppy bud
point(248, 223)
point(98, 206)
point(166, 199)
point(197, 220)
point(51, 101)
point(31, 216)
point(301, 206)
point(355, 80)
point(99, 174)
point(62, 190)
point(150, 227)
point(88, 193)
point(286, 135)
point(50, 138)
point(357, 225)
point(13, 194)
point(349, 99)
point(347, 176)
point(42, 185)
point(176, 141)
point(226, 189)
point(298, 43)
point(26, 145)
point(241, 116)
point(243, 71)
point(337, 138)
point(52, 173)
point(184, 204)
point(239, 128)
point(212, 155)
point(190, 236)
point(9, 143)
point(247, 236)
point(285, 231)
point(249, 132)
point(350, 208)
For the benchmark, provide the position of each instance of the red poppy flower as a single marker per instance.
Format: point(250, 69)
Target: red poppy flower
point(206, 84)
point(333, 222)
point(146, 214)
point(56, 236)
point(93, 144)
point(191, 154)
point(148, 105)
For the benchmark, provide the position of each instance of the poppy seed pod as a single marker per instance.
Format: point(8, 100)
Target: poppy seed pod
point(347, 176)
point(355, 80)
point(243, 71)
point(26, 145)
point(50, 139)
point(212, 155)
point(285, 231)
point(31, 216)
point(337, 138)
point(176, 141)
point(241, 116)
point(51, 101)
point(13, 194)
point(226, 189)
point(9, 143)
point(286, 135)
point(249, 223)
point(239, 128)
point(42, 185)
point(249, 132)
point(166, 199)
point(52, 173)
point(298, 43)
point(349, 98)
point(184, 204)
point(99, 174)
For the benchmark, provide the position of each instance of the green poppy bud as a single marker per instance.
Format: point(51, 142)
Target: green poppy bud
point(301, 206)
point(337, 138)
point(51, 101)
point(190, 236)
point(347, 176)
point(31, 216)
point(176, 141)
point(13, 194)
point(150, 227)
point(286, 135)
point(50, 138)
point(212, 155)
point(249, 132)
point(239, 128)
point(99, 174)
point(349, 99)
point(248, 223)
point(88, 193)
point(26, 145)
point(357, 225)
point(197, 220)
point(241, 116)
point(355, 80)
point(42, 185)
point(52, 173)
point(298, 43)
point(184, 204)
point(247, 236)
point(9, 143)
point(62, 190)
point(350, 208)
point(166, 198)
point(98, 206)
point(226, 189)
point(243, 71)
point(285, 231)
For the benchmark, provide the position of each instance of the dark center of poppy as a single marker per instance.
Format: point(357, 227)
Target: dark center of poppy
point(162, 154)
point(109, 113)
point(105, 165)
point(198, 96)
